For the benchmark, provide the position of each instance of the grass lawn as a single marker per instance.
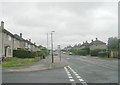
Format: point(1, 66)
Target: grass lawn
point(0, 65)
point(16, 62)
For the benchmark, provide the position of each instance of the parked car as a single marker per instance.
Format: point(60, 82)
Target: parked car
point(64, 52)
point(70, 53)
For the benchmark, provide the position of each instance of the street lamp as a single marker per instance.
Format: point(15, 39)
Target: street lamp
point(118, 48)
point(52, 46)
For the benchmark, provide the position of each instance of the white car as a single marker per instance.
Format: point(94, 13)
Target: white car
point(70, 53)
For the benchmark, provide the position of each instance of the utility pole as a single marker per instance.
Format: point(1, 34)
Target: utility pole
point(52, 46)
point(59, 52)
point(118, 48)
point(47, 43)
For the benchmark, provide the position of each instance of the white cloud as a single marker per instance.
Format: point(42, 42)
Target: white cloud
point(73, 22)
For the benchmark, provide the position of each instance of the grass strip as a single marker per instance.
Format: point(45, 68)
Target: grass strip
point(16, 62)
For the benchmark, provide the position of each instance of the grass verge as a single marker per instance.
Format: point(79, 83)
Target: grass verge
point(16, 62)
point(0, 65)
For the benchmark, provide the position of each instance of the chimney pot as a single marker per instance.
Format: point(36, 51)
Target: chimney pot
point(96, 38)
point(21, 35)
point(2, 24)
point(30, 40)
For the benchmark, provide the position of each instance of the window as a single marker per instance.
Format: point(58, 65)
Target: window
point(9, 38)
point(9, 51)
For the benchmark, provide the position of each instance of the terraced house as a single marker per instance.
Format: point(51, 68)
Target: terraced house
point(97, 44)
point(10, 42)
point(6, 41)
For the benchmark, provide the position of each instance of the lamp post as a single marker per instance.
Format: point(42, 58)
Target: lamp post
point(118, 48)
point(52, 46)
point(59, 52)
point(47, 44)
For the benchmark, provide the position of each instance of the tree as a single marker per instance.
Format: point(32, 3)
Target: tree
point(112, 43)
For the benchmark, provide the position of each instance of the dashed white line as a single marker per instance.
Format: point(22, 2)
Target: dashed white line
point(77, 75)
point(72, 80)
point(69, 75)
point(81, 80)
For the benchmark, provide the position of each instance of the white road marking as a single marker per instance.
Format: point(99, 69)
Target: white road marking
point(74, 72)
point(72, 80)
point(81, 80)
point(69, 75)
point(77, 75)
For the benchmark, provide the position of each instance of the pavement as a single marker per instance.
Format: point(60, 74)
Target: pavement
point(43, 64)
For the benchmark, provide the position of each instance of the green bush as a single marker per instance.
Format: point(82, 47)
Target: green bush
point(82, 52)
point(24, 54)
point(98, 52)
point(102, 54)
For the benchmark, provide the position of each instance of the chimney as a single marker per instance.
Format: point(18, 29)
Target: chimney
point(34, 43)
point(86, 41)
point(20, 35)
point(29, 40)
point(96, 38)
point(2, 24)
point(92, 40)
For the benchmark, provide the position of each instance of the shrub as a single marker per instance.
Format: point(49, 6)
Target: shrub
point(82, 52)
point(102, 54)
point(98, 52)
point(24, 54)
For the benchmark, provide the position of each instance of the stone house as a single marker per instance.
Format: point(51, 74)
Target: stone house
point(10, 42)
point(85, 45)
point(6, 42)
point(19, 42)
point(97, 44)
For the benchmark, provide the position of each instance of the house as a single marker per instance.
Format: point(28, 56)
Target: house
point(97, 44)
point(10, 42)
point(6, 41)
point(84, 45)
point(19, 42)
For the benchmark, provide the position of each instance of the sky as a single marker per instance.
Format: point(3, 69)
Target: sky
point(73, 22)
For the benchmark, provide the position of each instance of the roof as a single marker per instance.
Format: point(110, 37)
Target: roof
point(7, 32)
point(18, 37)
point(85, 44)
point(97, 42)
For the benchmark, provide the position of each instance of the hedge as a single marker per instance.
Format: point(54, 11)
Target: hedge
point(83, 52)
point(24, 54)
point(29, 54)
point(98, 52)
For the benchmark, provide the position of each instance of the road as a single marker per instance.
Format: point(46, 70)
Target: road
point(79, 69)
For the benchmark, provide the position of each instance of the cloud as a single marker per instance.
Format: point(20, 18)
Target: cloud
point(73, 22)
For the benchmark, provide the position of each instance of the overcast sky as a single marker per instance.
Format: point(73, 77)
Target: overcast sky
point(73, 22)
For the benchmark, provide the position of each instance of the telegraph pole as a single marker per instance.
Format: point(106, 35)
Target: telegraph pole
point(52, 46)
point(47, 43)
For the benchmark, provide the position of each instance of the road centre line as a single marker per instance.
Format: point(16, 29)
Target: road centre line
point(77, 75)
point(69, 75)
